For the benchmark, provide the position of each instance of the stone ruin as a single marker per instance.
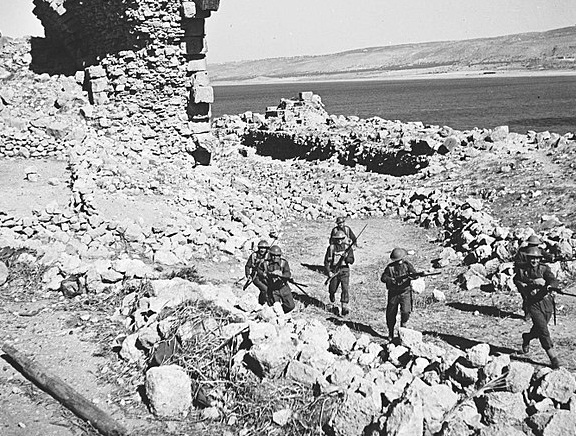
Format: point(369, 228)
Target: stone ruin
point(140, 50)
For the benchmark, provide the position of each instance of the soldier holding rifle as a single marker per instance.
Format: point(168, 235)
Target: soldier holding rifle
point(398, 275)
point(337, 263)
point(536, 283)
point(276, 273)
point(251, 271)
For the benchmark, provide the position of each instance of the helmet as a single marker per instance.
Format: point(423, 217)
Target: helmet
point(340, 220)
point(533, 240)
point(398, 254)
point(263, 244)
point(339, 234)
point(533, 251)
point(275, 250)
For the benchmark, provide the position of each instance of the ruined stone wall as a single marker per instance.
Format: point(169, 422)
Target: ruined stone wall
point(147, 51)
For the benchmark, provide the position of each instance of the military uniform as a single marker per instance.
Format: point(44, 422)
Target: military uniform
point(539, 302)
point(276, 271)
point(399, 292)
point(334, 253)
point(350, 236)
point(251, 270)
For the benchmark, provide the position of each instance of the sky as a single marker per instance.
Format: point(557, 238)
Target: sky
point(256, 29)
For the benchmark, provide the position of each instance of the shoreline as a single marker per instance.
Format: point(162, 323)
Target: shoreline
point(400, 76)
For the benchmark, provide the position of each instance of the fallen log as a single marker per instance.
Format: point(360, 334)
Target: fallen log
point(60, 390)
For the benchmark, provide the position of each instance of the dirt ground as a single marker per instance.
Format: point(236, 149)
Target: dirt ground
point(67, 336)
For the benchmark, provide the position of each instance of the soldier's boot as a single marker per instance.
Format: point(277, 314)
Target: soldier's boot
point(554, 361)
point(525, 343)
point(404, 317)
point(332, 298)
point(345, 310)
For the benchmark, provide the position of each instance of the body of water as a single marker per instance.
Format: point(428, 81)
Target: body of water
point(522, 103)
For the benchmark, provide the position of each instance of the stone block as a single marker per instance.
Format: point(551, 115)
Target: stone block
point(99, 85)
point(305, 96)
point(95, 72)
point(194, 27)
point(193, 65)
point(478, 355)
point(202, 94)
point(200, 78)
point(194, 45)
point(199, 128)
point(188, 9)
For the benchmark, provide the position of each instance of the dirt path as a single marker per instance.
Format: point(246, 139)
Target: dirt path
point(467, 317)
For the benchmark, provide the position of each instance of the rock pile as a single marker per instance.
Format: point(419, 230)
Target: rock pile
point(413, 387)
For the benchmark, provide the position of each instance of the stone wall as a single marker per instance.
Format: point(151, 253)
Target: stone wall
point(146, 51)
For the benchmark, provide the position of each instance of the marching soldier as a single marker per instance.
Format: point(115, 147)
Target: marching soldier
point(522, 259)
point(252, 272)
point(337, 263)
point(534, 281)
point(342, 227)
point(396, 276)
point(276, 272)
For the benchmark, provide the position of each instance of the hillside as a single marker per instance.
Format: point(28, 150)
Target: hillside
point(551, 50)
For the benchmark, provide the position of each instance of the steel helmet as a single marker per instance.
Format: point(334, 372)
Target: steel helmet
point(275, 251)
point(533, 240)
point(532, 251)
point(263, 244)
point(339, 234)
point(340, 220)
point(398, 254)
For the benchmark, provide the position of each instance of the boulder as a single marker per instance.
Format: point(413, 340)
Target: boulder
point(314, 333)
point(169, 391)
point(302, 373)
point(407, 416)
point(478, 355)
point(558, 385)
point(352, 416)
point(342, 340)
point(502, 408)
point(3, 273)
point(519, 376)
point(270, 357)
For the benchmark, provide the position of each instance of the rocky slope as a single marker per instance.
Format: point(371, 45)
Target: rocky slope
point(140, 212)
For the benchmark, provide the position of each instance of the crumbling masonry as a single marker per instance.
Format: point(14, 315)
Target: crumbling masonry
point(148, 51)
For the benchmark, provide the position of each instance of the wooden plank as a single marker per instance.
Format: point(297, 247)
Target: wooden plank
point(64, 393)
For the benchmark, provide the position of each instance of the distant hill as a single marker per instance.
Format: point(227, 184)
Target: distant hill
point(536, 51)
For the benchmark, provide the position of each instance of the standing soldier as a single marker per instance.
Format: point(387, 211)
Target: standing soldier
point(276, 272)
point(342, 227)
point(396, 275)
point(251, 270)
point(337, 263)
point(534, 281)
point(522, 259)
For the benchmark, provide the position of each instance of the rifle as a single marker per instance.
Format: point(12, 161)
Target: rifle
point(344, 256)
point(416, 275)
point(560, 291)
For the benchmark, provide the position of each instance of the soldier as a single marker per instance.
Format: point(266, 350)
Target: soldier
point(532, 241)
point(251, 270)
point(348, 233)
point(522, 259)
point(337, 263)
point(534, 281)
point(276, 272)
point(396, 276)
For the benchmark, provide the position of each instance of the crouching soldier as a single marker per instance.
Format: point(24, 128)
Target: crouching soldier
point(396, 276)
point(253, 272)
point(276, 272)
point(534, 281)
